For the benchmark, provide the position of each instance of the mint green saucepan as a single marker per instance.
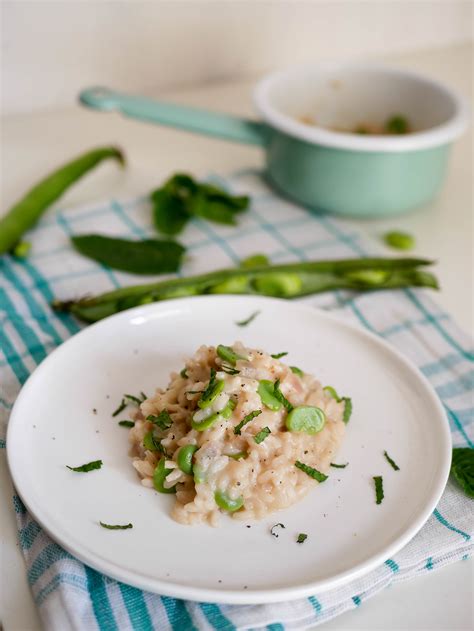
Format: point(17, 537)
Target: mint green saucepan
point(309, 156)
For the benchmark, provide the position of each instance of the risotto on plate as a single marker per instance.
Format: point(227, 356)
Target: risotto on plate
point(237, 431)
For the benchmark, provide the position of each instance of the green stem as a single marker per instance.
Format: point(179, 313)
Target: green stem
point(26, 212)
point(285, 281)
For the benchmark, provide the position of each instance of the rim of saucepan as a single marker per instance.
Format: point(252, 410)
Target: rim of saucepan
point(426, 139)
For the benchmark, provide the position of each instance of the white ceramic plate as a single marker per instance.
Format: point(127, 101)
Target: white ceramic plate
point(53, 425)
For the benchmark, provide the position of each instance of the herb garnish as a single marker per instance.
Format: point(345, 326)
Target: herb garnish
point(229, 370)
point(391, 462)
point(278, 394)
point(248, 320)
point(313, 473)
point(210, 386)
point(245, 420)
point(163, 420)
point(116, 526)
point(462, 468)
point(272, 530)
point(183, 373)
point(133, 399)
point(90, 466)
point(347, 402)
point(261, 435)
point(126, 423)
point(347, 409)
point(120, 408)
point(379, 495)
point(338, 466)
point(278, 355)
point(301, 537)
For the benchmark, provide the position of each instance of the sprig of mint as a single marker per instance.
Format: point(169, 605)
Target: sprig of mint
point(181, 197)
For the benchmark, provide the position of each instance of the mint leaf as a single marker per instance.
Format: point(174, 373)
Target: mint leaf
point(116, 526)
point(313, 473)
point(85, 468)
point(391, 462)
point(151, 256)
point(379, 495)
point(462, 468)
point(261, 435)
point(245, 420)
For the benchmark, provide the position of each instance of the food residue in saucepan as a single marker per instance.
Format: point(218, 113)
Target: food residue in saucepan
point(395, 125)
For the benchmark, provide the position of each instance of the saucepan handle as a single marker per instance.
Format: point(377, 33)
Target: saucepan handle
point(189, 118)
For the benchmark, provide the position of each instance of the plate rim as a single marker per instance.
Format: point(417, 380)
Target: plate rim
point(236, 596)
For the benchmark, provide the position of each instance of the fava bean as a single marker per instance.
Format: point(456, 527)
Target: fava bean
point(227, 354)
point(289, 280)
point(265, 390)
point(278, 284)
point(185, 458)
point(238, 456)
point(211, 394)
point(306, 418)
point(159, 477)
point(227, 503)
point(199, 475)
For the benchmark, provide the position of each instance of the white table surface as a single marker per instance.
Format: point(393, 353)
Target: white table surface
point(32, 144)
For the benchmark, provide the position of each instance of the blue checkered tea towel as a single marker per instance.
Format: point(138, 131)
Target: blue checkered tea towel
point(69, 594)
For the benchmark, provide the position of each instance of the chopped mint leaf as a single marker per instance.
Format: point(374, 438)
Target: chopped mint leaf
point(278, 355)
point(163, 420)
point(391, 462)
point(116, 526)
point(339, 466)
point(248, 320)
point(301, 538)
point(261, 435)
point(274, 532)
point(85, 468)
point(347, 409)
point(313, 473)
point(245, 420)
point(379, 495)
point(278, 394)
point(229, 370)
point(133, 399)
point(120, 408)
point(126, 423)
